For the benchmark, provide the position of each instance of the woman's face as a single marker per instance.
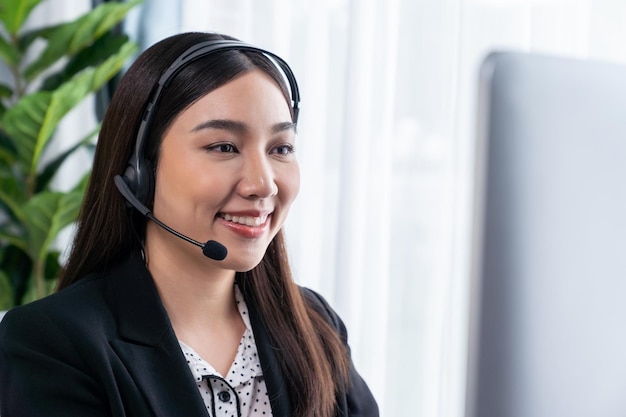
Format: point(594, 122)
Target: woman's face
point(227, 171)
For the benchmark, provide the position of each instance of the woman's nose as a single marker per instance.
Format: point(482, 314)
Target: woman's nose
point(257, 178)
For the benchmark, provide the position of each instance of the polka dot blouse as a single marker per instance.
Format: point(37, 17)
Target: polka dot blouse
point(240, 393)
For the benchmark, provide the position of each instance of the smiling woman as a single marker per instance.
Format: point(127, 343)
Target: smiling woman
point(199, 141)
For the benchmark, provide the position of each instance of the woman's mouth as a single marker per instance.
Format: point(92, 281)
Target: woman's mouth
point(245, 220)
point(249, 227)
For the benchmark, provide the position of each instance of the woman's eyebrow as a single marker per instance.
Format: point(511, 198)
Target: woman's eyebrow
point(281, 127)
point(221, 124)
point(239, 127)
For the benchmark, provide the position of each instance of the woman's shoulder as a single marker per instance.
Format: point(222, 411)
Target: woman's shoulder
point(358, 400)
point(86, 301)
point(315, 298)
point(319, 303)
point(75, 303)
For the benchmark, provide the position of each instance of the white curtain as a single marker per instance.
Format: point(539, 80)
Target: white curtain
point(381, 226)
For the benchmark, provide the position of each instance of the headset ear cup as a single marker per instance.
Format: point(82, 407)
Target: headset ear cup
point(130, 179)
point(139, 176)
point(143, 184)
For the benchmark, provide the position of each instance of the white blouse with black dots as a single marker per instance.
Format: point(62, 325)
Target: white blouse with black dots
point(241, 393)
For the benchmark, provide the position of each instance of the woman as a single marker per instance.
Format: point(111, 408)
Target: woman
point(198, 142)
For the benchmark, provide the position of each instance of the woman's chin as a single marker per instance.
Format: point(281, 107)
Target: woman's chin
point(241, 264)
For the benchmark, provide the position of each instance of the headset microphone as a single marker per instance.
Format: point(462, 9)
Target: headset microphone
point(210, 249)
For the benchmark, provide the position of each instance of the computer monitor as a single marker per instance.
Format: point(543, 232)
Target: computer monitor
point(548, 307)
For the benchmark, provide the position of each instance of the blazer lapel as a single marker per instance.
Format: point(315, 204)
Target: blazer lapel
point(148, 346)
point(168, 389)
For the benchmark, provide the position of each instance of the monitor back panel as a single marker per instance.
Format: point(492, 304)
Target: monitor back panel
point(548, 332)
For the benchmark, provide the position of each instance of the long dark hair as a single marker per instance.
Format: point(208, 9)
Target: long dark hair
point(314, 358)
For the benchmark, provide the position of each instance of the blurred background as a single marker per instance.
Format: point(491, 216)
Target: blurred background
point(386, 142)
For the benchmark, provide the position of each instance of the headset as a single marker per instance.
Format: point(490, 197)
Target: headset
point(139, 174)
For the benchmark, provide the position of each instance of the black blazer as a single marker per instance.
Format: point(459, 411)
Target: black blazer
point(105, 347)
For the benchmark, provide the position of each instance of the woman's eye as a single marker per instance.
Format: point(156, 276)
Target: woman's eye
point(283, 149)
point(222, 148)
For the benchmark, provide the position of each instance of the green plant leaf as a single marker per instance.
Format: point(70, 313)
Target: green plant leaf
point(8, 153)
point(14, 240)
point(13, 13)
point(50, 170)
point(66, 97)
point(81, 185)
point(5, 91)
point(49, 279)
point(6, 292)
point(9, 53)
point(6, 158)
point(91, 56)
point(31, 293)
point(33, 120)
point(45, 215)
point(23, 122)
point(52, 268)
point(18, 267)
point(68, 39)
point(12, 196)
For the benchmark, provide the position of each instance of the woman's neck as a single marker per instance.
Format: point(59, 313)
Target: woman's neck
point(200, 302)
point(190, 288)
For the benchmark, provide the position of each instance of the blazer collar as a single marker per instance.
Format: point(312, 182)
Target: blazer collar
point(133, 297)
point(150, 349)
point(147, 343)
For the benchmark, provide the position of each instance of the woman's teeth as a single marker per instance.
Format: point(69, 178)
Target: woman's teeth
point(247, 220)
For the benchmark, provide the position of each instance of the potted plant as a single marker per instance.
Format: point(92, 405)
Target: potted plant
point(77, 59)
